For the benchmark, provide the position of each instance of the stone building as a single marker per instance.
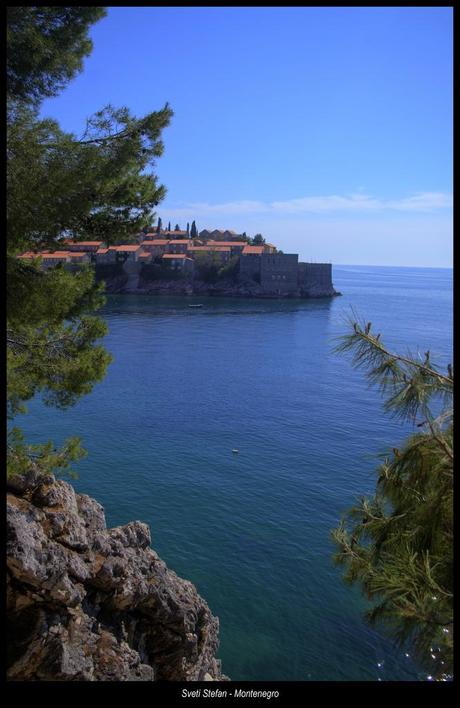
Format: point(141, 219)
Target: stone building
point(178, 245)
point(279, 272)
point(127, 252)
point(220, 235)
point(87, 246)
point(157, 247)
point(105, 255)
point(282, 274)
point(315, 278)
point(179, 261)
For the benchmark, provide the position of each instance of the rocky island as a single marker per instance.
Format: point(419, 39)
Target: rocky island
point(87, 603)
point(219, 263)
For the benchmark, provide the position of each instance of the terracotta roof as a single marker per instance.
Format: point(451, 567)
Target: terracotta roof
point(180, 240)
point(227, 243)
point(253, 250)
point(82, 243)
point(226, 249)
point(174, 255)
point(58, 254)
point(125, 248)
point(200, 248)
point(77, 255)
point(156, 242)
point(101, 250)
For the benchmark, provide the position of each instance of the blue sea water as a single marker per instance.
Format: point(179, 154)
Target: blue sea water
point(252, 530)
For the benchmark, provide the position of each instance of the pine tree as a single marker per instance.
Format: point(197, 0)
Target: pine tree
point(177, 227)
point(96, 187)
point(397, 545)
point(46, 47)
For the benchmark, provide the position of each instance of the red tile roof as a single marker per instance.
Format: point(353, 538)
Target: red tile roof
point(126, 248)
point(156, 242)
point(174, 255)
point(57, 254)
point(68, 242)
point(253, 250)
point(227, 243)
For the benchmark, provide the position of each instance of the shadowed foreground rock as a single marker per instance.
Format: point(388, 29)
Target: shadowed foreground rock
point(87, 603)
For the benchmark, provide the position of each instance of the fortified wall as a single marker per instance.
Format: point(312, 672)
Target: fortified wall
point(282, 274)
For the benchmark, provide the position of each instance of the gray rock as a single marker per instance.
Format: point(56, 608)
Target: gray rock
point(90, 604)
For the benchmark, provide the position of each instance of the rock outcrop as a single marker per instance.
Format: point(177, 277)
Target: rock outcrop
point(87, 603)
point(223, 288)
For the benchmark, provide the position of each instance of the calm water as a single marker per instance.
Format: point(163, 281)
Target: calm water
point(252, 530)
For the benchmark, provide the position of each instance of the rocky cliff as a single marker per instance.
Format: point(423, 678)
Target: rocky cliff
point(87, 603)
point(223, 288)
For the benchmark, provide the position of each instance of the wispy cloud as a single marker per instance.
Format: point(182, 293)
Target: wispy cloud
point(354, 203)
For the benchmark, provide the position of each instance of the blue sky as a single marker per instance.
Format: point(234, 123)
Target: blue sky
point(328, 130)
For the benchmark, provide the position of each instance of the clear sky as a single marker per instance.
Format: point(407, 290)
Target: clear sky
point(328, 130)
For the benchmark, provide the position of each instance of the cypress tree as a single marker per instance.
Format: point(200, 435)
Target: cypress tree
point(159, 225)
point(194, 232)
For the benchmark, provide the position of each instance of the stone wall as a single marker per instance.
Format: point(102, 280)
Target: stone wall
point(315, 278)
point(278, 272)
point(249, 268)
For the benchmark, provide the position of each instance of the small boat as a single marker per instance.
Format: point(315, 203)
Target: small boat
point(195, 305)
point(235, 451)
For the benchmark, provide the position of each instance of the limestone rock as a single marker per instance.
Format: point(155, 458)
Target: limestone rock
point(87, 603)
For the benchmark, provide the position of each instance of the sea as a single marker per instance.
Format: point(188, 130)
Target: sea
point(252, 529)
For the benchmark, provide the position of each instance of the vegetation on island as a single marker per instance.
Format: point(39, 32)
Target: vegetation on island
point(100, 185)
point(398, 545)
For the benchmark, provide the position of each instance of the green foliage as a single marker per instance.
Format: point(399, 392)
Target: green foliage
point(193, 231)
point(398, 545)
point(96, 187)
point(230, 270)
point(92, 189)
point(46, 47)
point(51, 345)
point(207, 267)
point(258, 240)
point(44, 458)
point(159, 226)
